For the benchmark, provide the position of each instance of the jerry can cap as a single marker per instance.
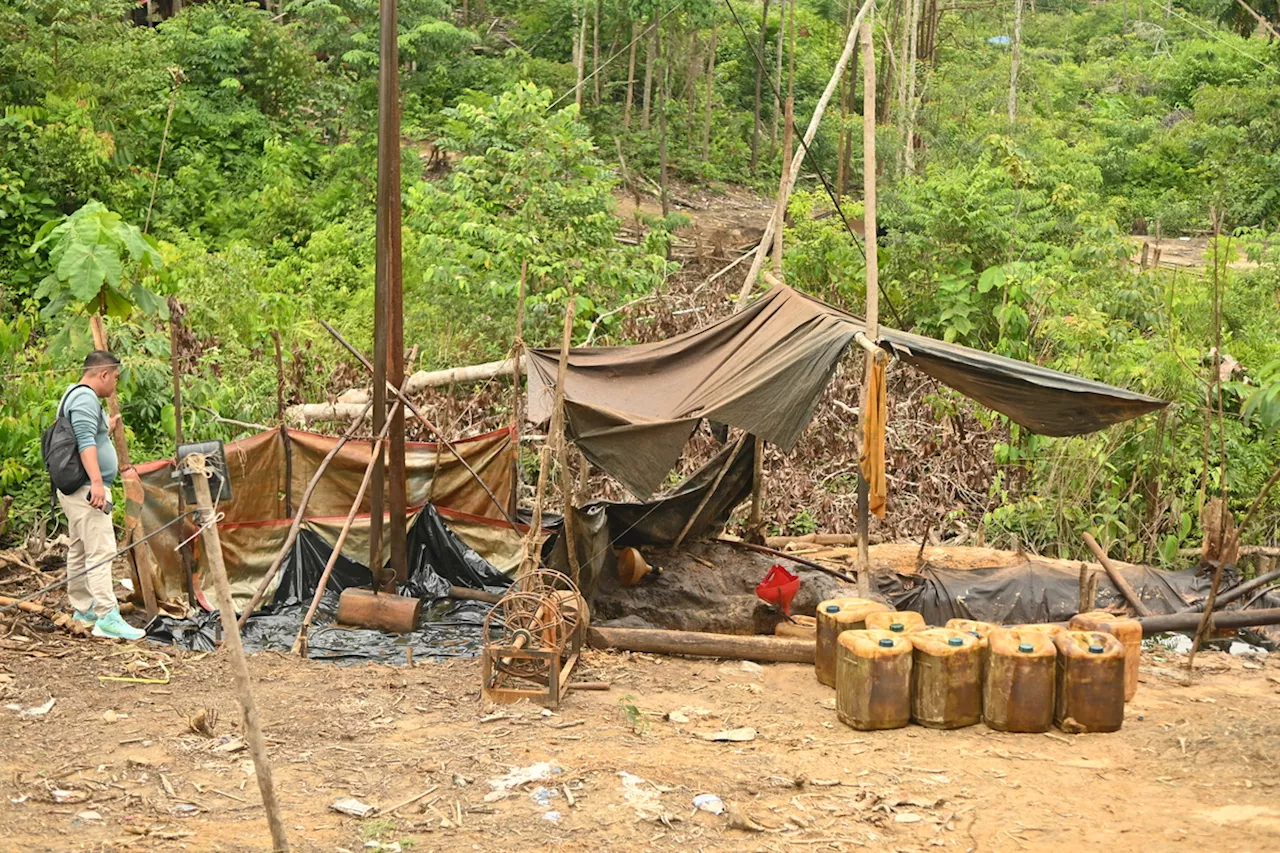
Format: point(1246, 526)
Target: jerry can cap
point(898, 627)
point(886, 642)
point(833, 608)
point(1026, 648)
point(955, 641)
point(1096, 650)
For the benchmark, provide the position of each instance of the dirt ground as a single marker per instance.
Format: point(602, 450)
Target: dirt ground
point(113, 765)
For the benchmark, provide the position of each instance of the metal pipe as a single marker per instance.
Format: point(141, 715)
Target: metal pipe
point(1189, 621)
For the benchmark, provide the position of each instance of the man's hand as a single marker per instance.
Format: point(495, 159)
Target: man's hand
point(113, 422)
point(97, 495)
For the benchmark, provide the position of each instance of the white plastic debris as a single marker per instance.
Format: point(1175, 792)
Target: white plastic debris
point(352, 806)
point(544, 796)
point(537, 772)
point(554, 817)
point(640, 794)
point(709, 803)
point(88, 816)
point(753, 668)
point(35, 711)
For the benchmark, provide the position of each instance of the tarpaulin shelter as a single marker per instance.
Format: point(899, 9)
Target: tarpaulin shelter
point(631, 409)
point(270, 470)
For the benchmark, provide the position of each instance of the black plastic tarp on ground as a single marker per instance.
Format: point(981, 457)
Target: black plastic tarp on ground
point(437, 560)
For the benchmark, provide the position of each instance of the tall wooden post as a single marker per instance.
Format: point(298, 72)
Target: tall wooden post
point(113, 402)
point(873, 275)
point(1015, 61)
point(239, 666)
point(388, 345)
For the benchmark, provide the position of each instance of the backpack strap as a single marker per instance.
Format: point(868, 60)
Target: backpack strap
point(67, 396)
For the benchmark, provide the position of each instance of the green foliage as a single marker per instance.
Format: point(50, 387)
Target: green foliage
point(98, 261)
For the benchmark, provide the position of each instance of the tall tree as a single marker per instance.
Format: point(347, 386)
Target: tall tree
point(631, 76)
point(758, 61)
point(1015, 60)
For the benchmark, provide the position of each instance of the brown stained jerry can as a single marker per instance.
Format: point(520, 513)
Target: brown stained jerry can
point(800, 628)
point(1018, 686)
point(973, 626)
point(897, 621)
point(946, 678)
point(836, 615)
point(873, 679)
point(1127, 631)
point(1089, 687)
point(1050, 629)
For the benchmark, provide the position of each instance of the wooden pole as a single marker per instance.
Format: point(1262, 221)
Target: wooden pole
point(188, 561)
point(873, 276)
point(239, 666)
point(1223, 621)
point(517, 353)
point(909, 154)
point(275, 338)
point(800, 561)
point(698, 644)
point(766, 240)
point(755, 519)
point(715, 484)
point(113, 401)
point(1116, 578)
point(389, 254)
point(559, 430)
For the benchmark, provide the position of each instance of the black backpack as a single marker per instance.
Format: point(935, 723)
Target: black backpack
point(61, 452)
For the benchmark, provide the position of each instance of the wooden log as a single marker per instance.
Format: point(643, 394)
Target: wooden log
point(698, 644)
point(1116, 578)
point(462, 593)
point(58, 618)
point(842, 539)
point(239, 665)
point(113, 402)
point(1231, 619)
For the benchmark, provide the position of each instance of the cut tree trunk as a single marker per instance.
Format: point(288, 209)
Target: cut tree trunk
point(631, 78)
point(699, 644)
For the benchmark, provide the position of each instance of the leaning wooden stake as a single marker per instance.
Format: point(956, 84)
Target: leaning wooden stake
point(299, 513)
point(766, 240)
point(715, 484)
point(1116, 578)
point(196, 464)
point(560, 433)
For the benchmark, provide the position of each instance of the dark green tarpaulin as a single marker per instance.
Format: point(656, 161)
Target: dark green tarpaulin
point(631, 409)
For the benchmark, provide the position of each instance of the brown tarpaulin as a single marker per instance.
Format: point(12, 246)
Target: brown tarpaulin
point(256, 522)
point(631, 409)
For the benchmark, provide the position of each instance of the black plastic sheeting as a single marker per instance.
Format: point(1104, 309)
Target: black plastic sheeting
point(437, 560)
point(1033, 592)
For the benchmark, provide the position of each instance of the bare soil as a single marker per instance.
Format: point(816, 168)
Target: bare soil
point(114, 766)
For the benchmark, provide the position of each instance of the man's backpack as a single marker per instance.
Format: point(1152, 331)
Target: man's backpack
point(61, 452)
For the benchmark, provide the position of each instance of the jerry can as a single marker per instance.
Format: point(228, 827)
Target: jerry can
point(897, 621)
point(1089, 684)
point(946, 678)
point(1018, 686)
point(1127, 631)
point(834, 616)
point(873, 679)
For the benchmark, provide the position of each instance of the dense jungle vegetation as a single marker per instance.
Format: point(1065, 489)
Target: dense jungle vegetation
point(217, 165)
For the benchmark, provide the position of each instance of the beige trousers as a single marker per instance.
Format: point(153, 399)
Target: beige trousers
point(93, 540)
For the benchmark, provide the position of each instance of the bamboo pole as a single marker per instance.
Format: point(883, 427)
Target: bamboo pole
point(239, 666)
point(300, 642)
point(766, 240)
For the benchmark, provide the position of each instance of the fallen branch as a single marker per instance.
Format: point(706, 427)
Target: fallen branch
point(1116, 578)
point(57, 617)
point(761, 549)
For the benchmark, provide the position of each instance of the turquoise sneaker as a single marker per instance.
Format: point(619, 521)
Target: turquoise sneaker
point(112, 626)
point(88, 617)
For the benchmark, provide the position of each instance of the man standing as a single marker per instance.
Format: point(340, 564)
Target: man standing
point(88, 509)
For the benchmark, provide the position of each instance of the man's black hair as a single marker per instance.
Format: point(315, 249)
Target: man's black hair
point(100, 358)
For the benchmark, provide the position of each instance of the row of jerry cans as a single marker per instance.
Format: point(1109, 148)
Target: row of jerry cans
point(889, 669)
